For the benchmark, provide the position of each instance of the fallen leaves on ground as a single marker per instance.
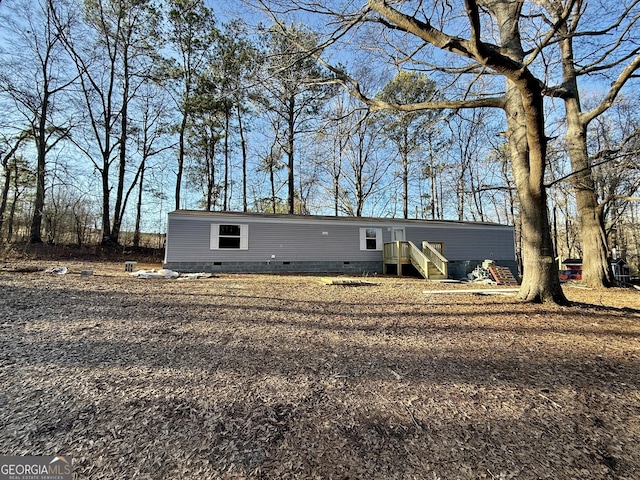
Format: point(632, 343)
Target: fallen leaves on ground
point(283, 377)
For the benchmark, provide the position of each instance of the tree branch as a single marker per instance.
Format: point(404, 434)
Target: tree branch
point(617, 85)
point(354, 89)
point(550, 37)
point(474, 21)
point(353, 86)
point(608, 153)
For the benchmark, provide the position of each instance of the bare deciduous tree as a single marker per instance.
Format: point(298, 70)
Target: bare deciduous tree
point(111, 68)
point(191, 32)
point(38, 54)
point(578, 28)
point(423, 33)
point(295, 88)
point(8, 150)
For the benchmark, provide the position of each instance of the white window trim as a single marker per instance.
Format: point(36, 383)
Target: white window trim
point(363, 239)
point(215, 235)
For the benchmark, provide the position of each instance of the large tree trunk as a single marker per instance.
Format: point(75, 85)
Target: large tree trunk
point(120, 203)
point(38, 204)
point(596, 271)
point(106, 203)
point(540, 280)
point(525, 116)
point(527, 143)
point(595, 267)
point(41, 144)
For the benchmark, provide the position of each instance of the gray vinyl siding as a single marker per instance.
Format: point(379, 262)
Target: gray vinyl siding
point(326, 239)
point(188, 241)
point(467, 241)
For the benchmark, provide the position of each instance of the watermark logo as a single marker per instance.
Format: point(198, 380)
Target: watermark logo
point(36, 468)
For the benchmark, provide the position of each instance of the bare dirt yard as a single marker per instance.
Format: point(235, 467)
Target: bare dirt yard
point(283, 377)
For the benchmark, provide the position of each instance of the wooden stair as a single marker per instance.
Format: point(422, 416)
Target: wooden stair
point(503, 276)
point(402, 252)
point(434, 273)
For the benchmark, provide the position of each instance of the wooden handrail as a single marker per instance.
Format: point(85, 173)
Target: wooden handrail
point(435, 257)
point(390, 251)
point(419, 259)
point(402, 252)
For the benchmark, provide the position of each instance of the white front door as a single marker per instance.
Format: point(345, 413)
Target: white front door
point(398, 235)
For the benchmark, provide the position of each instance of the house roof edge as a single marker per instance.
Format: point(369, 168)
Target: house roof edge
point(327, 218)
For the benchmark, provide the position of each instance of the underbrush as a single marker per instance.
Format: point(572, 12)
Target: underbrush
point(44, 251)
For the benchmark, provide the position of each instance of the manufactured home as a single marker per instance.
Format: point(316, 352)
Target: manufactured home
point(199, 241)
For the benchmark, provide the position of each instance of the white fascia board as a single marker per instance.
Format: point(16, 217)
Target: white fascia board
point(238, 218)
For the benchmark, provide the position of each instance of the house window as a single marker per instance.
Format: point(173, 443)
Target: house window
point(370, 239)
point(229, 237)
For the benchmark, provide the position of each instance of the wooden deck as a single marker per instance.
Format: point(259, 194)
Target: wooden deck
point(429, 261)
